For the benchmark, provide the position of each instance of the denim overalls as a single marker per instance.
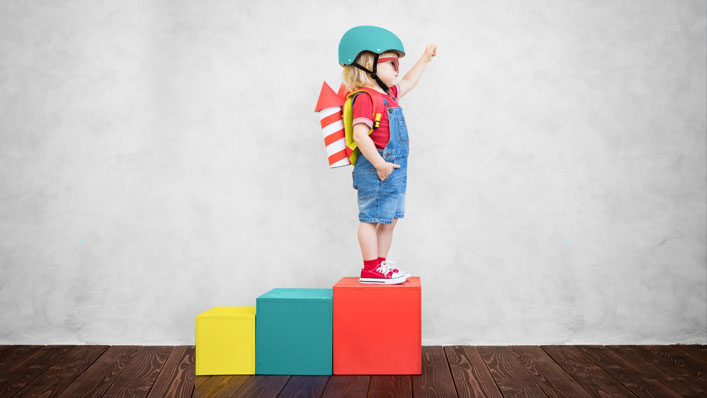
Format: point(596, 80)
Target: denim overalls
point(382, 201)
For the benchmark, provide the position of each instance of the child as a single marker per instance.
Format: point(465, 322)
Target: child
point(369, 55)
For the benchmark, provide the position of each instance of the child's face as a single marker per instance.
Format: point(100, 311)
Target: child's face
point(387, 68)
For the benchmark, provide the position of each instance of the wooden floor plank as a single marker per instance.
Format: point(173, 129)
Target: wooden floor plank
point(550, 376)
point(218, 386)
point(353, 386)
point(17, 377)
point(628, 374)
point(11, 354)
point(436, 379)
point(5, 349)
point(391, 386)
point(199, 380)
point(679, 358)
point(140, 374)
point(597, 382)
point(652, 368)
point(469, 372)
point(96, 380)
point(304, 386)
point(675, 378)
point(262, 386)
point(510, 376)
point(698, 354)
point(176, 378)
point(63, 372)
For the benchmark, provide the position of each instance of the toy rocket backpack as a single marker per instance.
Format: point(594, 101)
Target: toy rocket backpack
point(336, 118)
point(335, 109)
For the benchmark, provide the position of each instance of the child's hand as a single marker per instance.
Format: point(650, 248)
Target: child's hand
point(430, 52)
point(386, 169)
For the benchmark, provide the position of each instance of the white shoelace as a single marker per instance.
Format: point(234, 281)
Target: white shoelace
point(390, 264)
point(383, 268)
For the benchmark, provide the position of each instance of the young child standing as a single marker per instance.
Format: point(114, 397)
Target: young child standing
point(370, 57)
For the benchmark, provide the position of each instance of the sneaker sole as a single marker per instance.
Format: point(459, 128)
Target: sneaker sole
point(382, 281)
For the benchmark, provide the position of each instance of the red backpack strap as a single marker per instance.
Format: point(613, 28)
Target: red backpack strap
point(378, 106)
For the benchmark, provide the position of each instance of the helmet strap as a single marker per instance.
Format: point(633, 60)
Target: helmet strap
point(373, 73)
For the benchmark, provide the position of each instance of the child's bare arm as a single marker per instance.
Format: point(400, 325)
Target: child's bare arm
point(411, 78)
point(368, 148)
point(366, 145)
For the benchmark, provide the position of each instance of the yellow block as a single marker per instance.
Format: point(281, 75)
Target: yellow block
point(225, 341)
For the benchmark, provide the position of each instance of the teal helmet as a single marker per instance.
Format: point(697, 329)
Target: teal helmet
point(368, 38)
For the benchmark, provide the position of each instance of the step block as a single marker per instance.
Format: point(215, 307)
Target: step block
point(377, 328)
point(225, 341)
point(294, 332)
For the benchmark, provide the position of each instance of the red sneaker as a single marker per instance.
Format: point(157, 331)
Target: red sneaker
point(381, 274)
point(391, 265)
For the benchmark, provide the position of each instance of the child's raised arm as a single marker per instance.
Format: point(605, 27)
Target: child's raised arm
point(411, 78)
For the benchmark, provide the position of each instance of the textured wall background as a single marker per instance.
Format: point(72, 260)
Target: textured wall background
point(158, 158)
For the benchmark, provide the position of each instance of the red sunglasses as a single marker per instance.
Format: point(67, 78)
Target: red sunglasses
point(396, 63)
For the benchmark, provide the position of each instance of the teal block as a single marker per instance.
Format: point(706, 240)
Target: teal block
point(293, 332)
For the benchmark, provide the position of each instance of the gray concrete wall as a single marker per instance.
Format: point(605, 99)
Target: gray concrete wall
point(161, 158)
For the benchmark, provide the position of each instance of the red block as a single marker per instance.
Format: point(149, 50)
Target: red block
point(377, 328)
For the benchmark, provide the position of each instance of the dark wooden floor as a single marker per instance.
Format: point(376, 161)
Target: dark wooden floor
point(447, 371)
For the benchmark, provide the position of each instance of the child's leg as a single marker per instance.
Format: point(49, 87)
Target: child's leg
point(368, 240)
point(385, 237)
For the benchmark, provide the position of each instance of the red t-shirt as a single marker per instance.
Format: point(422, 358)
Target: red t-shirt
point(363, 110)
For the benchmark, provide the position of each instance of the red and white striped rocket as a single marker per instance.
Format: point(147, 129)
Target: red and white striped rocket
point(329, 106)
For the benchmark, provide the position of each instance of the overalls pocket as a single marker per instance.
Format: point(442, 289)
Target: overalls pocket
point(365, 177)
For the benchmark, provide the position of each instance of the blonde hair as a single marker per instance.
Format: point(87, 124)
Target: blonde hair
point(355, 78)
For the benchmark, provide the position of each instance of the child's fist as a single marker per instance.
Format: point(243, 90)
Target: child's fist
point(430, 52)
point(386, 169)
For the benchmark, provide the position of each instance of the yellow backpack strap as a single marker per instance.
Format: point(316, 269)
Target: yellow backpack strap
point(377, 120)
point(351, 144)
